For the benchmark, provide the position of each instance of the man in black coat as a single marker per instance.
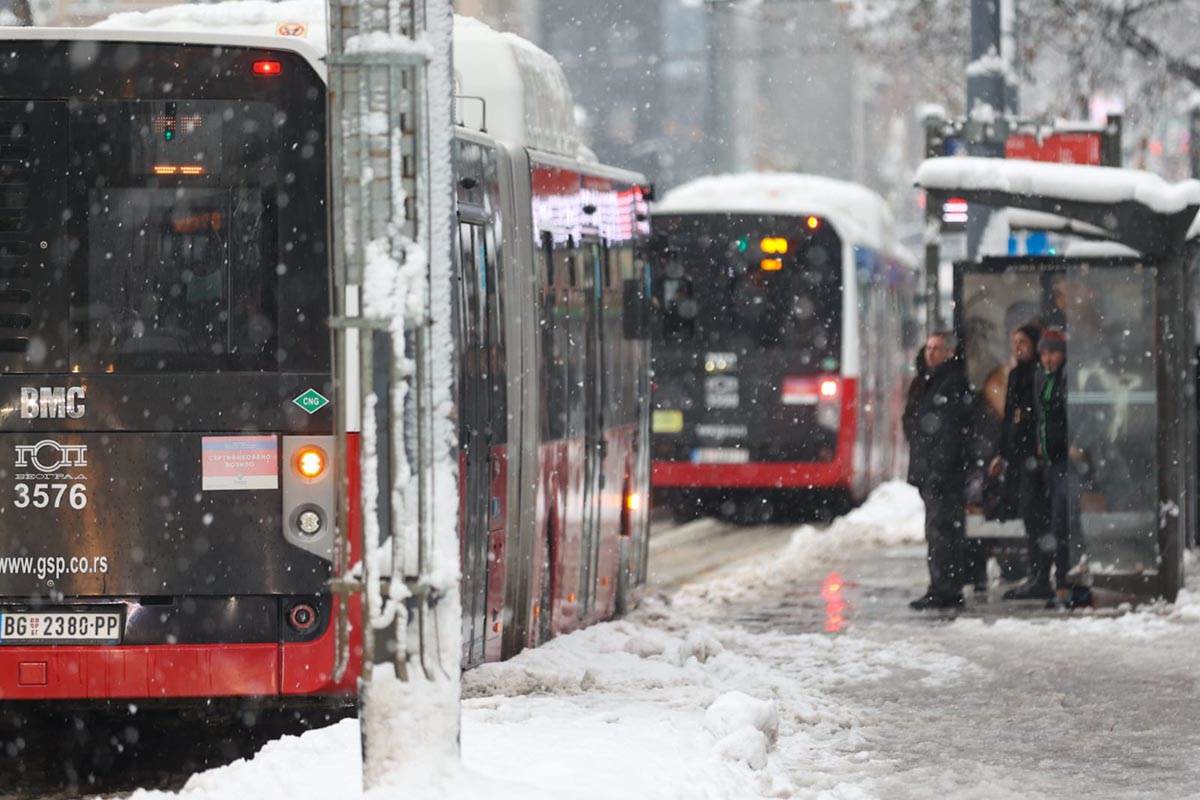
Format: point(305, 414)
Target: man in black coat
point(937, 424)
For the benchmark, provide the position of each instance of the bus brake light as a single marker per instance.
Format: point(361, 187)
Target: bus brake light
point(829, 389)
point(267, 68)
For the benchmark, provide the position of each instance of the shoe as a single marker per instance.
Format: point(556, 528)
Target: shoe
point(981, 586)
point(1030, 590)
point(1081, 597)
point(1080, 574)
point(929, 601)
point(1058, 604)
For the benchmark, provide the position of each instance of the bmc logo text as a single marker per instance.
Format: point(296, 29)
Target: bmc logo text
point(50, 456)
point(52, 403)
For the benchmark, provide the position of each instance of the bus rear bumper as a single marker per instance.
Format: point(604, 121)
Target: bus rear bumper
point(170, 671)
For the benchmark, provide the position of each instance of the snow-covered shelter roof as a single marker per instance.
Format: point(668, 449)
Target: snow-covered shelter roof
point(527, 96)
point(1067, 182)
point(1136, 208)
point(854, 211)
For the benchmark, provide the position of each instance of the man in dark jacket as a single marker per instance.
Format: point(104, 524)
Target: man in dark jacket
point(937, 421)
point(1024, 485)
point(1056, 456)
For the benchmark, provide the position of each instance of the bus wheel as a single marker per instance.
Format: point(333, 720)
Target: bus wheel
point(685, 508)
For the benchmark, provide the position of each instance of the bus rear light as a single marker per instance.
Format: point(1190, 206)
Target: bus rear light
point(812, 223)
point(310, 462)
point(633, 501)
point(302, 617)
point(309, 522)
point(829, 389)
point(771, 264)
point(267, 68)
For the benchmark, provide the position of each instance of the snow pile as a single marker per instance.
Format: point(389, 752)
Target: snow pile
point(1058, 181)
point(745, 727)
point(855, 212)
point(892, 516)
point(330, 770)
point(661, 707)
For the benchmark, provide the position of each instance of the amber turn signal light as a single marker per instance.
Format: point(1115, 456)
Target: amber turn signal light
point(310, 462)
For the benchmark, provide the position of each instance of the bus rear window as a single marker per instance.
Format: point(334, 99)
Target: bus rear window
point(181, 237)
point(747, 281)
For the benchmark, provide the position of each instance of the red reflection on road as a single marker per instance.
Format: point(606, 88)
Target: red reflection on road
point(832, 592)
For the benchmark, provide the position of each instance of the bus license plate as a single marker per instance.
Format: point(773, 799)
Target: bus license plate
point(60, 627)
point(720, 455)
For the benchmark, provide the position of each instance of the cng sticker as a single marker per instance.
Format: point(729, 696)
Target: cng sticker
point(311, 401)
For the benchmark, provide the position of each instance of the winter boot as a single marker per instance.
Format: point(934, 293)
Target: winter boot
point(1030, 590)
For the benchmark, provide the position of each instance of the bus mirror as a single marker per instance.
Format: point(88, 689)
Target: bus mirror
point(636, 310)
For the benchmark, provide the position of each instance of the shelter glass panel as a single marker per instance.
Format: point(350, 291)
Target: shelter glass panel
point(1112, 412)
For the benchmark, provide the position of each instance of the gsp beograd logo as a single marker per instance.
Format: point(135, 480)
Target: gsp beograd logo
point(49, 456)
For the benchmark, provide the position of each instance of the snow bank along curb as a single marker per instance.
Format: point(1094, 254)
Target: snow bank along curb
point(893, 515)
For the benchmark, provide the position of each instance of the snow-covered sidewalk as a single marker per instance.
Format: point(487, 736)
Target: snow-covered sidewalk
point(802, 675)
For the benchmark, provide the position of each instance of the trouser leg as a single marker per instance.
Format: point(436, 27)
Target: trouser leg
point(944, 523)
point(1057, 480)
point(1035, 508)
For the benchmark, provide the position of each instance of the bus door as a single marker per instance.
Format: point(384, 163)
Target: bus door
point(474, 403)
point(592, 288)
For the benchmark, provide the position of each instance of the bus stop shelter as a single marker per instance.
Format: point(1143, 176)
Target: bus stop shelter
point(1128, 318)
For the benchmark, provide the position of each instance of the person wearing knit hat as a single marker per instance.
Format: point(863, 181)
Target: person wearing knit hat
point(1023, 492)
point(1055, 455)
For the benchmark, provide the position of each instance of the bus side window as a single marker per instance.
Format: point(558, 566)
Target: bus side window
point(554, 337)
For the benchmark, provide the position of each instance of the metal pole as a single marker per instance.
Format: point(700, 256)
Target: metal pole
point(986, 102)
point(390, 134)
point(714, 124)
point(1194, 139)
point(935, 126)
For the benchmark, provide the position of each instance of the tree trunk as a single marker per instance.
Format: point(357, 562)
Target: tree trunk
point(23, 13)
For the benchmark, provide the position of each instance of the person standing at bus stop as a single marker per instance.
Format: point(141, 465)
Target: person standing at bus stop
point(1061, 463)
point(1024, 487)
point(937, 422)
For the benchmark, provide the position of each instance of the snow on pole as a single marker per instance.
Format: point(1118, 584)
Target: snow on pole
point(390, 94)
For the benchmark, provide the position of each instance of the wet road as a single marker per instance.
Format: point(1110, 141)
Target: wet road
point(705, 548)
point(1016, 701)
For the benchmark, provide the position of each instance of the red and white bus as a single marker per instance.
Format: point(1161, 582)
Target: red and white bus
point(783, 325)
point(168, 509)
